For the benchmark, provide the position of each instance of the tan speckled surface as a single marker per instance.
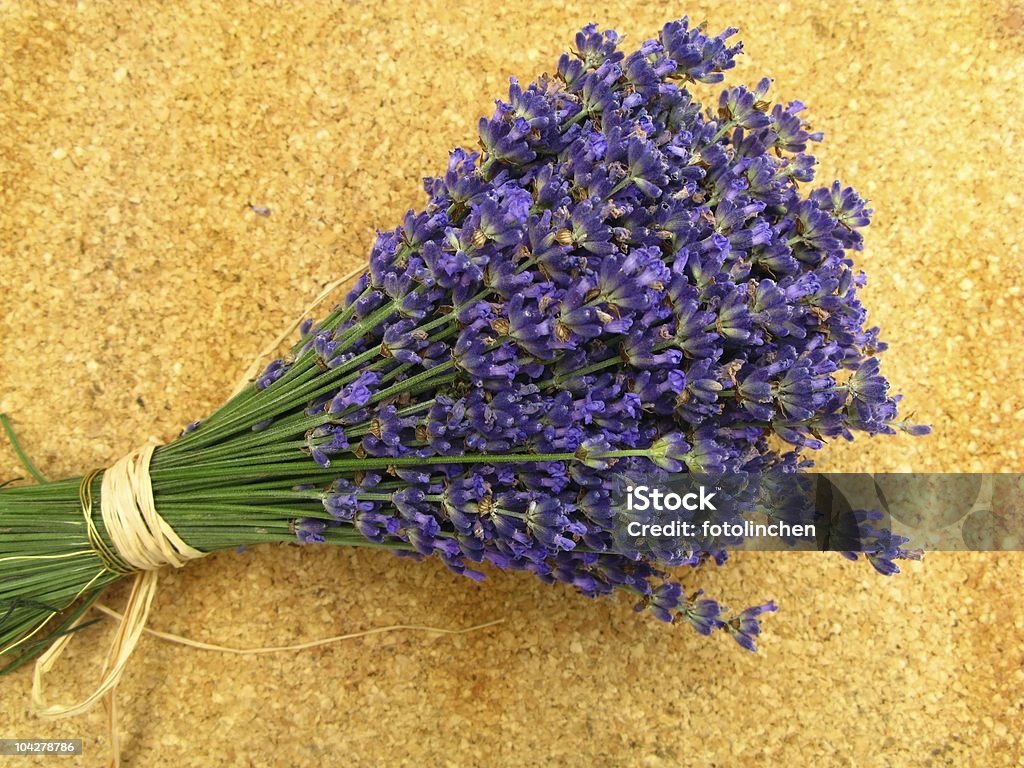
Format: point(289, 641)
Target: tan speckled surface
point(136, 286)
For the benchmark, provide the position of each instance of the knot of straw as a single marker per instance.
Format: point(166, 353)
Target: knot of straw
point(141, 542)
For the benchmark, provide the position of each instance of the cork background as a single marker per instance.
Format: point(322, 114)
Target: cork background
point(137, 284)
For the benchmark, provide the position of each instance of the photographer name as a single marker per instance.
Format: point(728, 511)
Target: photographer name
point(680, 529)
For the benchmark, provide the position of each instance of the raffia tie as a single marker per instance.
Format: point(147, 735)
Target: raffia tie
point(143, 542)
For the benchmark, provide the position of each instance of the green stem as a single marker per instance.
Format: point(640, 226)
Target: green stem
point(26, 462)
point(727, 126)
point(577, 118)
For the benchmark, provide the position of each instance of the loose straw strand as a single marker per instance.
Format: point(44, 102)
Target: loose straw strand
point(125, 640)
point(198, 644)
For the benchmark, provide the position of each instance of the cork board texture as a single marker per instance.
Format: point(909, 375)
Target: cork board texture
point(138, 284)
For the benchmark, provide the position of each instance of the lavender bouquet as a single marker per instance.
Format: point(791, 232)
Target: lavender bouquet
point(620, 277)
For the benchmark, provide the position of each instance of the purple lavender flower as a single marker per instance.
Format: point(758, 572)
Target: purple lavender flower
point(310, 531)
point(622, 281)
point(746, 626)
point(357, 393)
point(703, 614)
point(697, 56)
point(664, 601)
point(745, 108)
